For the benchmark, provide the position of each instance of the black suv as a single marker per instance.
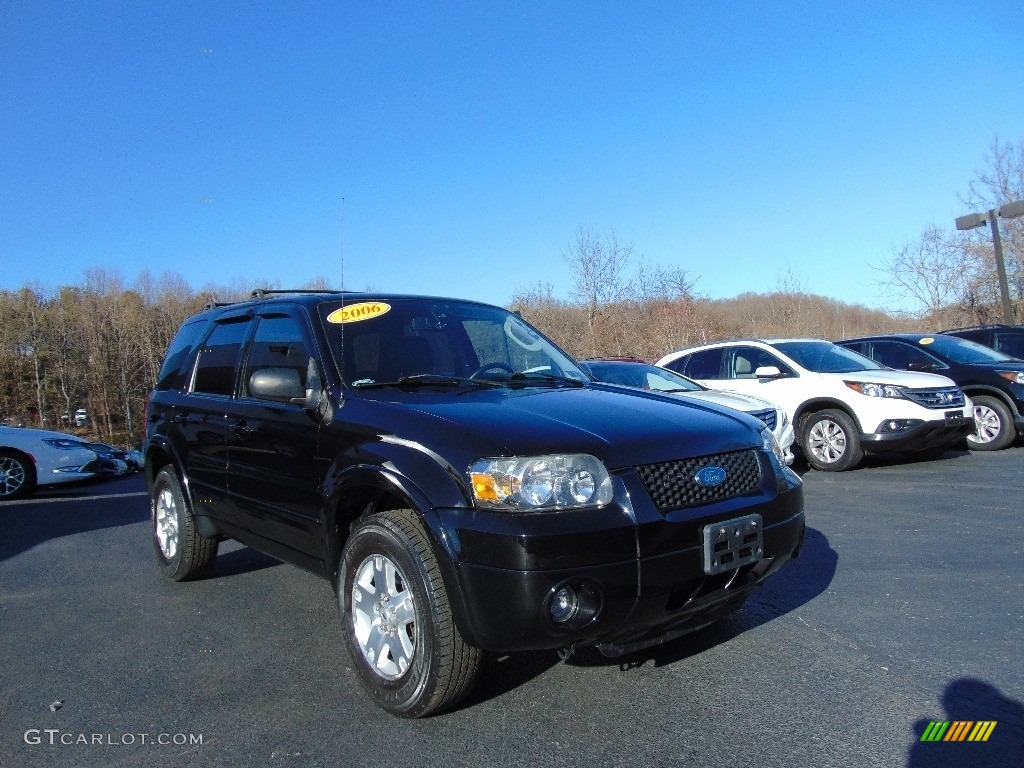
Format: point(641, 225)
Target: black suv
point(1008, 339)
point(460, 481)
point(993, 381)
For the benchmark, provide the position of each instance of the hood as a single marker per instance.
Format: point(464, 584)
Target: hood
point(614, 424)
point(28, 434)
point(912, 379)
point(734, 400)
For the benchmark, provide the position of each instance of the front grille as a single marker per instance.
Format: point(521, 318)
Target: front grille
point(766, 417)
point(945, 397)
point(673, 484)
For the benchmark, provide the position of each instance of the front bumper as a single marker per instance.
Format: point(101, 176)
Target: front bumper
point(928, 434)
point(642, 568)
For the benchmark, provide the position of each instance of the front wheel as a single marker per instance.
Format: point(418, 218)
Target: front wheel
point(994, 428)
point(831, 442)
point(182, 553)
point(397, 620)
point(17, 476)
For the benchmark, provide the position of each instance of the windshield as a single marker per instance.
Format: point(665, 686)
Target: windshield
point(439, 341)
point(826, 357)
point(963, 351)
point(642, 376)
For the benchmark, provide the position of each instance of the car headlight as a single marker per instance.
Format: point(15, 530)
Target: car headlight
point(771, 445)
point(1017, 377)
point(875, 390)
point(63, 443)
point(534, 483)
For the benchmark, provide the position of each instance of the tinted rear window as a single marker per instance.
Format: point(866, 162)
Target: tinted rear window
point(173, 373)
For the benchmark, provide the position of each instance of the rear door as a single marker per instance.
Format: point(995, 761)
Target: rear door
point(201, 416)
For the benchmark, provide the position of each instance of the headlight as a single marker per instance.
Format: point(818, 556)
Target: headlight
point(63, 443)
point(1017, 377)
point(771, 445)
point(875, 390)
point(533, 483)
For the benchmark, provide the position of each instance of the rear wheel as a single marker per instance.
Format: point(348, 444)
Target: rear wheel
point(183, 554)
point(17, 476)
point(993, 425)
point(397, 620)
point(831, 442)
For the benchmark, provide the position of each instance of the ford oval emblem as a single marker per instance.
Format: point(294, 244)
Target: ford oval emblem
point(711, 476)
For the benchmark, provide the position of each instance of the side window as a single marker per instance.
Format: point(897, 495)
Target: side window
point(1010, 343)
point(217, 363)
point(744, 361)
point(902, 356)
point(277, 343)
point(173, 374)
point(706, 364)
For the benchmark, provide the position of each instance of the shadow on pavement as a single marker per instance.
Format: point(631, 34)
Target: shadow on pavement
point(55, 513)
point(969, 704)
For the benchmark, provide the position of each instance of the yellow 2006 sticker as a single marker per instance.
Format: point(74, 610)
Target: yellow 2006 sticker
point(926, 340)
point(353, 313)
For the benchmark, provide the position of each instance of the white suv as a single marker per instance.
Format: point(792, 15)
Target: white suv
point(841, 403)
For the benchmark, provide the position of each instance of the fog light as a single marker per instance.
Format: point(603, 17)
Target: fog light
point(564, 604)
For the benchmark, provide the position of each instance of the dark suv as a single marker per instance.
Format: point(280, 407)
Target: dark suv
point(460, 481)
point(1008, 339)
point(993, 381)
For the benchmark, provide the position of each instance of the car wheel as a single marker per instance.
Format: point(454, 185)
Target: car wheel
point(993, 426)
point(397, 620)
point(17, 476)
point(183, 554)
point(830, 441)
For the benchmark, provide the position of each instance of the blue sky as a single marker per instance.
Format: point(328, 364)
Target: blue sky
point(471, 140)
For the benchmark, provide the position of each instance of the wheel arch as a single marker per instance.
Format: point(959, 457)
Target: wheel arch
point(821, 404)
point(972, 390)
point(355, 490)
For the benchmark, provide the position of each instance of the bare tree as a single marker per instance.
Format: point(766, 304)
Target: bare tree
point(928, 271)
point(599, 278)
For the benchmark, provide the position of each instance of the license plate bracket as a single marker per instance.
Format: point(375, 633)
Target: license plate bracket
point(732, 544)
point(955, 419)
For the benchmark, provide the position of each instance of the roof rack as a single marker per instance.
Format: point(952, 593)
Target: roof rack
point(262, 293)
point(214, 304)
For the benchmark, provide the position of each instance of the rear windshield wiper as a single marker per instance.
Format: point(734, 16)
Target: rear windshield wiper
point(425, 380)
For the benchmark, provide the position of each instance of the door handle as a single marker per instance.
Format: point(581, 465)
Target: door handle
point(240, 428)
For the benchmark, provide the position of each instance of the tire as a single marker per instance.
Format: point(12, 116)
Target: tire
point(995, 429)
point(183, 554)
point(17, 476)
point(831, 442)
point(389, 577)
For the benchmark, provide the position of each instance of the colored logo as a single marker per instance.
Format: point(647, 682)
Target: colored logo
point(364, 310)
point(959, 730)
point(709, 477)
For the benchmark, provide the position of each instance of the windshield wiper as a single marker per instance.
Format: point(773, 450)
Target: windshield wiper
point(544, 378)
point(425, 380)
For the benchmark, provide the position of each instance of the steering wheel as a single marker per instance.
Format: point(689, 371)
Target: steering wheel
point(491, 367)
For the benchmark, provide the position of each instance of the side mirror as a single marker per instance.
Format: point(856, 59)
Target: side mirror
point(282, 385)
point(768, 372)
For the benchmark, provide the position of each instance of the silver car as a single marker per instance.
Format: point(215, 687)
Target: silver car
point(30, 458)
point(641, 375)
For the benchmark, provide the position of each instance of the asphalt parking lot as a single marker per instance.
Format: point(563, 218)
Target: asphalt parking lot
point(906, 607)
